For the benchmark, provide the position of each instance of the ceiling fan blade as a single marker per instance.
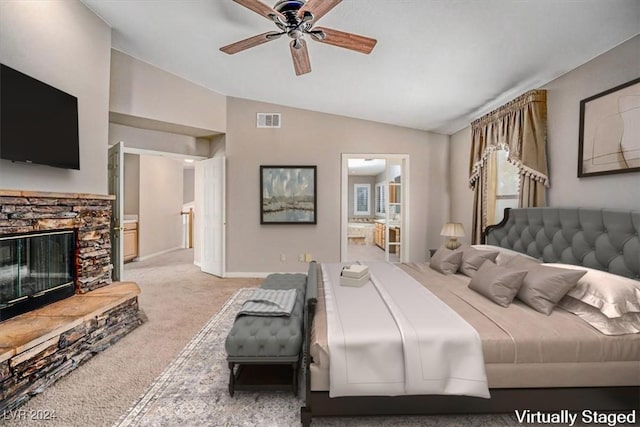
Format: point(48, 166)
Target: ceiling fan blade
point(258, 7)
point(241, 45)
point(318, 8)
point(351, 41)
point(300, 56)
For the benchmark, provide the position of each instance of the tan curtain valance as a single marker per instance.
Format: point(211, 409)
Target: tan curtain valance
point(520, 127)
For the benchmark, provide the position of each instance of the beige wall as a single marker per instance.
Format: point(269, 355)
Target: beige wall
point(160, 204)
point(611, 69)
point(188, 185)
point(131, 184)
point(142, 90)
point(61, 43)
point(311, 138)
point(622, 191)
point(158, 141)
point(461, 194)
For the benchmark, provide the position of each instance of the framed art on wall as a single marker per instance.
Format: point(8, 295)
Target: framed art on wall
point(610, 131)
point(288, 195)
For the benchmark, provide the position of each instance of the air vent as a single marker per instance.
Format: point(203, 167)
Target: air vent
point(268, 120)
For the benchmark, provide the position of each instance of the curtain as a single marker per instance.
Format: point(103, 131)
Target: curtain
point(520, 127)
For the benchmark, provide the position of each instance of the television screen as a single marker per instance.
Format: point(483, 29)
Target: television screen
point(38, 123)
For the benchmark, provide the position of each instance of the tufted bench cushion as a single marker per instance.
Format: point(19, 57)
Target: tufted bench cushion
point(260, 337)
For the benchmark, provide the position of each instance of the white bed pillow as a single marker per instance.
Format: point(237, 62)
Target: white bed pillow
point(504, 254)
point(628, 323)
point(613, 295)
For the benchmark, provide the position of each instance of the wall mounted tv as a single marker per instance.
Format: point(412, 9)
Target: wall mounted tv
point(38, 123)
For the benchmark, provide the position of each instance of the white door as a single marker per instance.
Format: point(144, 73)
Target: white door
point(116, 184)
point(212, 217)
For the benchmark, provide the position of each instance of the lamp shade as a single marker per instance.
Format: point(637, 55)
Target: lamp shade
point(452, 229)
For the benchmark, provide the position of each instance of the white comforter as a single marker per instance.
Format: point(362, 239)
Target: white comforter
point(393, 337)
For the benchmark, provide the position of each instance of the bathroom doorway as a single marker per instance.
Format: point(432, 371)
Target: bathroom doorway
point(374, 207)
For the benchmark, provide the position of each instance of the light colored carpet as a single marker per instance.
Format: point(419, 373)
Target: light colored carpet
point(178, 300)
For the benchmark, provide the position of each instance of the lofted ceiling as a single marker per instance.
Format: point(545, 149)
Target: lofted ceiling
point(438, 64)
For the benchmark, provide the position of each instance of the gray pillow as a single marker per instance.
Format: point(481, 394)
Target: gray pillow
point(445, 260)
point(544, 286)
point(628, 323)
point(472, 259)
point(499, 284)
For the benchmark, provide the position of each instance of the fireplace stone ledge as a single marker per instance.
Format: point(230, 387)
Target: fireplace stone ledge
point(38, 347)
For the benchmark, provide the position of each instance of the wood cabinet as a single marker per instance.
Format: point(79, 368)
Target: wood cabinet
point(394, 237)
point(379, 235)
point(130, 241)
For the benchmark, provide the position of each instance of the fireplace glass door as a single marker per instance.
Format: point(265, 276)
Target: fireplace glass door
point(36, 266)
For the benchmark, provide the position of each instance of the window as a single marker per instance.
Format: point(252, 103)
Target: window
point(361, 203)
point(507, 186)
point(381, 198)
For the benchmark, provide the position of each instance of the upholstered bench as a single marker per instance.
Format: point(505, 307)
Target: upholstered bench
point(256, 341)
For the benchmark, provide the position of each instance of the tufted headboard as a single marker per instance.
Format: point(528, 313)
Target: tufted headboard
point(605, 239)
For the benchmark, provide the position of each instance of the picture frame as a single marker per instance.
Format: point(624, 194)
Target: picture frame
point(288, 195)
point(609, 139)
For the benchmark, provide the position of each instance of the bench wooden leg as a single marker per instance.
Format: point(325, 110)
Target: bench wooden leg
point(232, 379)
point(305, 416)
point(294, 385)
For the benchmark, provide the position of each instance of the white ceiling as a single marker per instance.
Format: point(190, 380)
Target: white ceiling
point(438, 64)
point(366, 166)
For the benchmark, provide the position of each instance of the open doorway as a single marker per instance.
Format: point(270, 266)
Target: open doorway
point(374, 214)
point(154, 190)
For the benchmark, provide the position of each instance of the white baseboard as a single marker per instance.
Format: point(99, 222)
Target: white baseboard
point(254, 274)
point(240, 275)
point(143, 258)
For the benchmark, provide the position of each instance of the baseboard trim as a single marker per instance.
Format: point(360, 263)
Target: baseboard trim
point(253, 274)
point(146, 257)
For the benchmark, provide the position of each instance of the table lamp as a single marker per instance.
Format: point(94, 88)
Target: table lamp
point(452, 230)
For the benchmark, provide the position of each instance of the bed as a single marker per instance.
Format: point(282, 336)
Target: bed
point(532, 360)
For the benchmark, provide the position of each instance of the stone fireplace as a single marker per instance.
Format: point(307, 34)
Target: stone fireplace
point(40, 345)
point(90, 215)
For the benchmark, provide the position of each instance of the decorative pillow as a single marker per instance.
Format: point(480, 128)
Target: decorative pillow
point(544, 286)
point(628, 323)
point(499, 284)
point(445, 260)
point(472, 259)
point(613, 295)
point(504, 254)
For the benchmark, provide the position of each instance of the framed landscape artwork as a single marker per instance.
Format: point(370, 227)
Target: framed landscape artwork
point(610, 131)
point(288, 195)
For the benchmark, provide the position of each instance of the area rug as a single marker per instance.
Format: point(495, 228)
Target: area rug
point(193, 391)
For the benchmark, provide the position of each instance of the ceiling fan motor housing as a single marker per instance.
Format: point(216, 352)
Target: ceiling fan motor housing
point(289, 9)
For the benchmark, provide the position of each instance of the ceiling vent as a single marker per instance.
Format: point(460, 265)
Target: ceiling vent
point(268, 120)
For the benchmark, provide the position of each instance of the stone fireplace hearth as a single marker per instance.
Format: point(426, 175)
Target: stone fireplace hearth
point(40, 346)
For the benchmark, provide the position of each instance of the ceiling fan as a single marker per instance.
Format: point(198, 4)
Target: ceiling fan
point(296, 18)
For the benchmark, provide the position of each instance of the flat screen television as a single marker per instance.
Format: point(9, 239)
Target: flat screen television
point(38, 123)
